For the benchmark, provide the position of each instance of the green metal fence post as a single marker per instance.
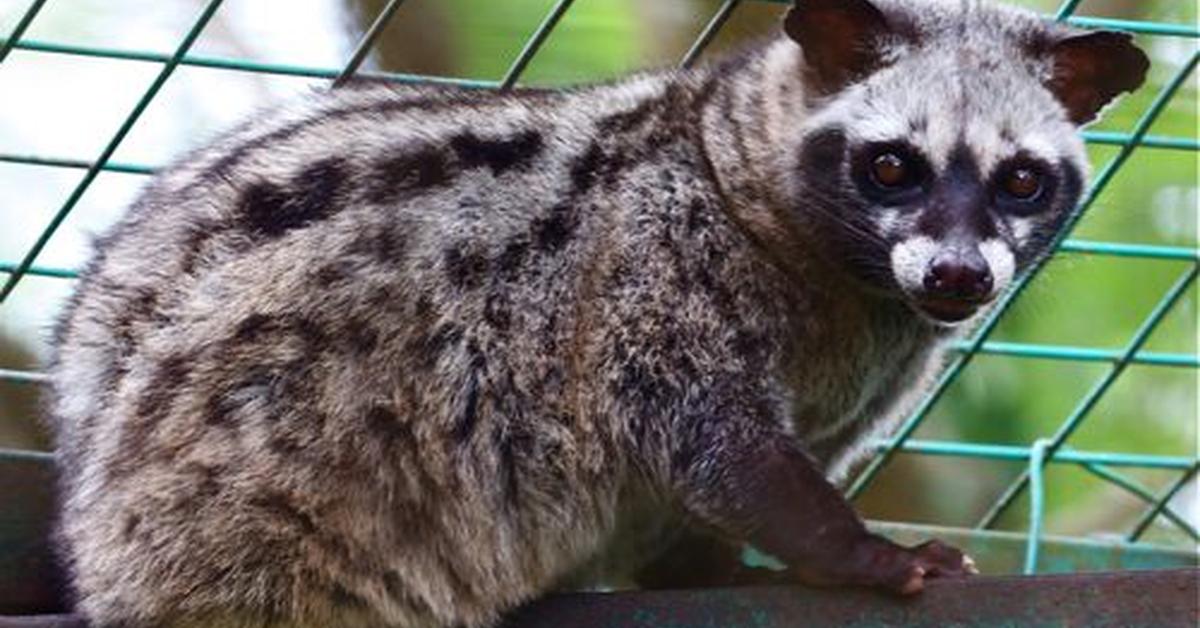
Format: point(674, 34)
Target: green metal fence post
point(23, 267)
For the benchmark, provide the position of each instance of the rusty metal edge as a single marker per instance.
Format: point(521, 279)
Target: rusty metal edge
point(43, 621)
point(1134, 599)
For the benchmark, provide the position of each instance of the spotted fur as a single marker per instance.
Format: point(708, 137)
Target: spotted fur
point(410, 356)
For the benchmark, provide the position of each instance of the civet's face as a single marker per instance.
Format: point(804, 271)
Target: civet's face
point(942, 172)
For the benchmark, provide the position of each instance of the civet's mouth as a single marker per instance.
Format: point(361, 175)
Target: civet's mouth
point(949, 311)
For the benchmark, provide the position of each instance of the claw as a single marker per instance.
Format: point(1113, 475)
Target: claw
point(915, 583)
point(968, 565)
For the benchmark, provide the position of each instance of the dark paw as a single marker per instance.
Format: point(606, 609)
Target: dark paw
point(878, 562)
point(943, 561)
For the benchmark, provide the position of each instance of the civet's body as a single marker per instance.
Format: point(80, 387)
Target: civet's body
point(410, 356)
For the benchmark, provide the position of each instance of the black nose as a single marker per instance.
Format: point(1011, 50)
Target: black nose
point(959, 275)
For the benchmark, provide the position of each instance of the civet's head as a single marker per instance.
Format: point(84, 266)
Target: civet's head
point(941, 152)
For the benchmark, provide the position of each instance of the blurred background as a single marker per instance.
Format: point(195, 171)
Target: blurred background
point(68, 106)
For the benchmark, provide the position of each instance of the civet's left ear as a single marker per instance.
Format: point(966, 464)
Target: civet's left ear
point(842, 39)
point(1090, 70)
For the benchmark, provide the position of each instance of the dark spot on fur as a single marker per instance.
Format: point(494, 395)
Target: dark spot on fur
point(258, 384)
point(464, 270)
point(511, 259)
point(259, 328)
point(253, 327)
point(500, 155)
point(667, 179)
point(717, 291)
point(152, 407)
point(423, 307)
point(270, 210)
point(596, 164)
point(171, 374)
point(918, 124)
point(753, 348)
point(332, 273)
point(586, 167)
point(641, 384)
point(144, 303)
point(552, 232)
point(627, 121)
point(428, 349)
point(280, 506)
point(730, 117)
point(195, 238)
point(139, 308)
point(284, 445)
point(318, 186)
point(549, 333)
point(360, 336)
point(384, 422)
point(218, 409)
point(697, 216)
point(821, 153)
point(513, 443)
point(497, 311)
point(310, 332)
point(393, 585)
point(382, 298)
point(402, 174)
point(460, 586)
point(381, 243)
point(208, 480)
point(130, 526)
point(395, 589)
point(345, 598)
point(304, 427)
point(261, 208)
point(465, 426)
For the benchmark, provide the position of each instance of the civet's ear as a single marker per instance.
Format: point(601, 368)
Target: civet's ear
point(1090, 70)
point(841, 39)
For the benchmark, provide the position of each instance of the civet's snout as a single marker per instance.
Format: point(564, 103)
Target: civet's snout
point(951, 281)
point(958, 274)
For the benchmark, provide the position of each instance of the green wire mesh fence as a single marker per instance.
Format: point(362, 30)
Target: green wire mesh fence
point(1111, 467)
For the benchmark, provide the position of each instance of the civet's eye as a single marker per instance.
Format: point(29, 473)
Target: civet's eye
point(1023, 183)
point(890, 170)
point(890, 173)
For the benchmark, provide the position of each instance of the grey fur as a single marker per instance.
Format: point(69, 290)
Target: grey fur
point(397, 356)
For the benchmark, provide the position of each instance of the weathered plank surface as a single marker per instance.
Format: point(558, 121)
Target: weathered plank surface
point(1133, 599)
point(43, 621)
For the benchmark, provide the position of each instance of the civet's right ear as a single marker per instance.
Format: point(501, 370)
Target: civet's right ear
point(1092, 69)
point(842, 40)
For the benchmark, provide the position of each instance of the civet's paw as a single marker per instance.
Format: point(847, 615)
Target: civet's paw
point(877, 562)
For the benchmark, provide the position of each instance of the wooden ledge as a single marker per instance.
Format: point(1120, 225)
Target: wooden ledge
point(1129, 599)
point(1156, 598)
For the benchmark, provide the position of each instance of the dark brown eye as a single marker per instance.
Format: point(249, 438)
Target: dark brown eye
point(889, 170)
point(1023, 183)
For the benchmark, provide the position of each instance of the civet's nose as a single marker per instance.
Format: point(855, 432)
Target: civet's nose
point(959, 275)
